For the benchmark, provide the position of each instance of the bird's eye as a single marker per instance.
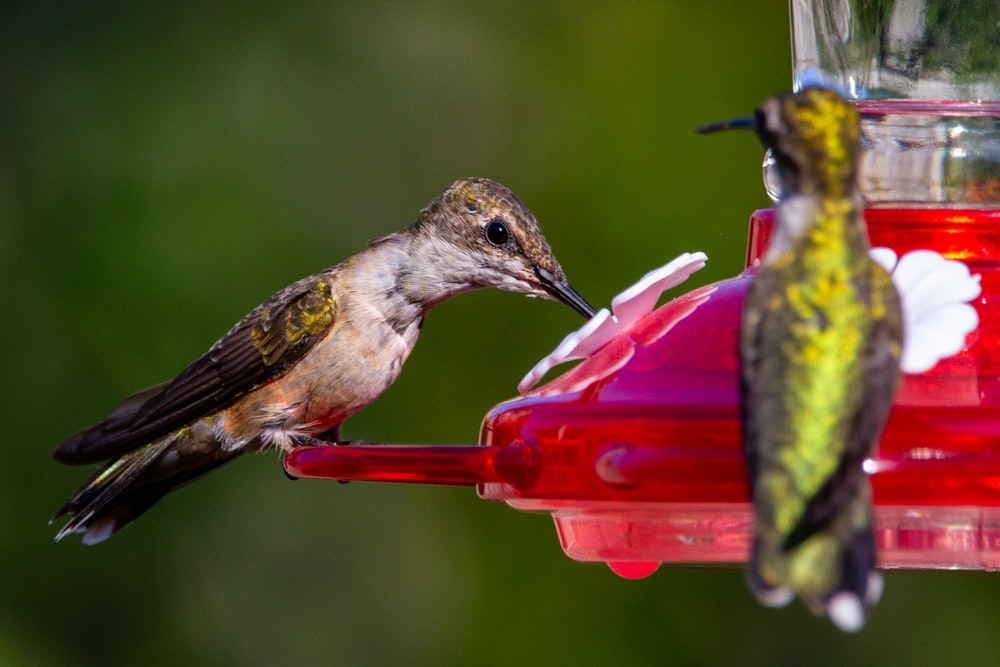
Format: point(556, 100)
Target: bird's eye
point(497, 233)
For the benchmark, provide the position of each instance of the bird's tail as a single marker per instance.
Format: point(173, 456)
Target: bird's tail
point(129, 485)
point(833, 570)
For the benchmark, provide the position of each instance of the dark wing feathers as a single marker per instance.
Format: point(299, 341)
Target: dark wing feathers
point(107, 483)
point(259, 349)
point(765, 281)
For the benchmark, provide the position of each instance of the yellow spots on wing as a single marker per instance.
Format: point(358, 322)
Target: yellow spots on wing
point(311, 314)
point(316, 312)
point(269, 345)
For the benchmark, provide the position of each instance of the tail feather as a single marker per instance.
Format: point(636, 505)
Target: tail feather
point(858, 588)
point(89, 509)
point(860, 582)
point(125, 488)
point(833, 571)
point(767, 594)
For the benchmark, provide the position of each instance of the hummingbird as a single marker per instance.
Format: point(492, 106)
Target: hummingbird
point(318, 351)
point(820, 343)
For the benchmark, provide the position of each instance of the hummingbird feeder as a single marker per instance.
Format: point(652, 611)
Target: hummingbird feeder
point(636, 452)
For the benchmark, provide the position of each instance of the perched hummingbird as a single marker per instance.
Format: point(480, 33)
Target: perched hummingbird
point(296, 367)
point(820, 341)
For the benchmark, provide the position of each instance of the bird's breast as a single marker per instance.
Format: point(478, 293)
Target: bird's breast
point(342, 374)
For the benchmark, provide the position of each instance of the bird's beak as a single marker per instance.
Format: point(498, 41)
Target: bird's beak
point(562, 291)
point(748, 123)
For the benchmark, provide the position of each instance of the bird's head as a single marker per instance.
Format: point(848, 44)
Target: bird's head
point(814, 136)
point(481, 235)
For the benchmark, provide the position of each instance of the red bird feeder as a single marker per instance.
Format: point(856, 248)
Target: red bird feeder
point(637, 451)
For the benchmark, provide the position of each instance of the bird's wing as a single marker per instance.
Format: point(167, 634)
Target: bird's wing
point(259, 349)
point(766, 281)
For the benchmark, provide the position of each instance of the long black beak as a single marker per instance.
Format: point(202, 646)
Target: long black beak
point(563, 292)
point(748, 123)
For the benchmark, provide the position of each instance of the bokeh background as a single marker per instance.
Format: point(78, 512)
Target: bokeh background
point(164, 167)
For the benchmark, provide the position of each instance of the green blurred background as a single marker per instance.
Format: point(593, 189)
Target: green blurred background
point(164, 167)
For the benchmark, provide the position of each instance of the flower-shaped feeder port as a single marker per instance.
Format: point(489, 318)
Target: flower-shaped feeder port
point(637, 451)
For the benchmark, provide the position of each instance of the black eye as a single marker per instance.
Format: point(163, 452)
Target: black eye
point(497, 232)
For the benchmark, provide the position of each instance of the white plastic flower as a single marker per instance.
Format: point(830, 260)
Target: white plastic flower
point(934, 293)
point(629, 307)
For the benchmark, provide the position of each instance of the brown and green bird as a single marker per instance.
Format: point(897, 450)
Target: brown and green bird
point(820, 341)
point(296, 367)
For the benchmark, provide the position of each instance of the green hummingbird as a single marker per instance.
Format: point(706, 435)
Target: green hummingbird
point(820, 342)
point(296, 367)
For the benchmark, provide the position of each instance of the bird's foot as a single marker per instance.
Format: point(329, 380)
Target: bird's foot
point(311, 441)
